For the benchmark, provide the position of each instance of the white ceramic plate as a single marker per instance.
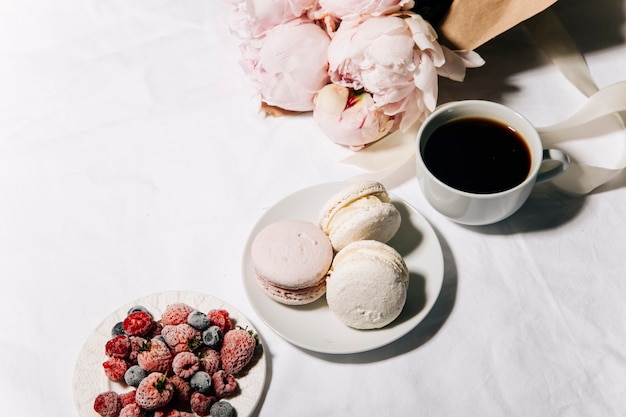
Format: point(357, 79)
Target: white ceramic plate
point(90, 380)
point(314, 326)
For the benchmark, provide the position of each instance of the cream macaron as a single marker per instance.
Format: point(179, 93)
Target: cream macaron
point(360, 211)
point(367, 284)
point(291, 259)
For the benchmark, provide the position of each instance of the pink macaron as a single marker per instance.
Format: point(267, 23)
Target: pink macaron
point(291, 259)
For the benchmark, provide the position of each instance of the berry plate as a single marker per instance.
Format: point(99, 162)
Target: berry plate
point(90, 380)
point(313, 326)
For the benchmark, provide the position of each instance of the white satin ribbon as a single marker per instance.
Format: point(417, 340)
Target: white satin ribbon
point(387, 156)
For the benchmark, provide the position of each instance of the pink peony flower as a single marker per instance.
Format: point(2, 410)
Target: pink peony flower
point(253, 18)
point(343, 9)
point(289, 64)
point(397, 59)
point(348, 118)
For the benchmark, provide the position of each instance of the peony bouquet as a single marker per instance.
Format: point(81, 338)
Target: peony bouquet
point(364, 68)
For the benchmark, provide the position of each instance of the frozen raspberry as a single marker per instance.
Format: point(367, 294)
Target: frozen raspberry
point(237, 350)
point(201, 404)
point(138, 323)
point(198, 320)
point(222, 409)
point(169, 412)
point(128, 397)
point(155, 391)
point(209, 360)
point(182, 392)
point(107, 404)
point(201, 382)
point(224, 384)
point(118, 347)
point(185, 364)
point(181, 337)
point(212, 337)
point(221, 319)
point(131, 410)
point(156, 330)
point(134, 375)
point(157, 358)
point(176, 313)
point(115, 368)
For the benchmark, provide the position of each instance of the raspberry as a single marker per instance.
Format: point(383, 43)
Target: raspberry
point(157, 358)
point(185, 364)
point(201, 404)
point(118, 347)
point(176, 313)
point(155, 391)
point(221, 319)
point(128, 397)
point(209, 360)
point(237, 350)
point(107, 404)
point(138, 323)
point(131, 410)
point(182, 391)
point(224, 384)
point(181, 337)
point(222, 409)
point(115, 368)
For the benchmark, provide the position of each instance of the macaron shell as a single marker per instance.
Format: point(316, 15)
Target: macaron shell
point(375, 220)
point(292, 297)
point(346, 196)
point(292, 254)
point(367, 285)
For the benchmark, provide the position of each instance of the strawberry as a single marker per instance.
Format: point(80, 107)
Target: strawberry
point(209, 360)
point(181, 337)
point(154, 391)
point(176, 313)
point(237, 350)
point(156, 357)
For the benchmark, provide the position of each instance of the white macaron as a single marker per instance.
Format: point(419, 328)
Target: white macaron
point(361, 211)
point(367, 284)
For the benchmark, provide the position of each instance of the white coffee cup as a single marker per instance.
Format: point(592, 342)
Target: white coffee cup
point(468, 206)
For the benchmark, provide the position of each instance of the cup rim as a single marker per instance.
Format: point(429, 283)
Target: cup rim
point(535, 165)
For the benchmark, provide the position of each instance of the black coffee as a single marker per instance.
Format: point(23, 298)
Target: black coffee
point(477, 155)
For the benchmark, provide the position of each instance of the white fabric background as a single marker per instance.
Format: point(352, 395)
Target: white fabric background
point(133, 160)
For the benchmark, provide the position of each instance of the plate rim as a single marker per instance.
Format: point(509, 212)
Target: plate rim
point(333, 187)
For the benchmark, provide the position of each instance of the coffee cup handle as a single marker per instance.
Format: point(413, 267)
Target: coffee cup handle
point(554, 163)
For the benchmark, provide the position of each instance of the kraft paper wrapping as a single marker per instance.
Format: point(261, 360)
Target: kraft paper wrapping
point(470, 23)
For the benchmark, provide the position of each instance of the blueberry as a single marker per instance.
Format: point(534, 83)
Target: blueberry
point(118, 329)
point(134, 375)
point(212, 337)
point(137, 308)
point(222, 409)
point(201, 382)
point(198, 320)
